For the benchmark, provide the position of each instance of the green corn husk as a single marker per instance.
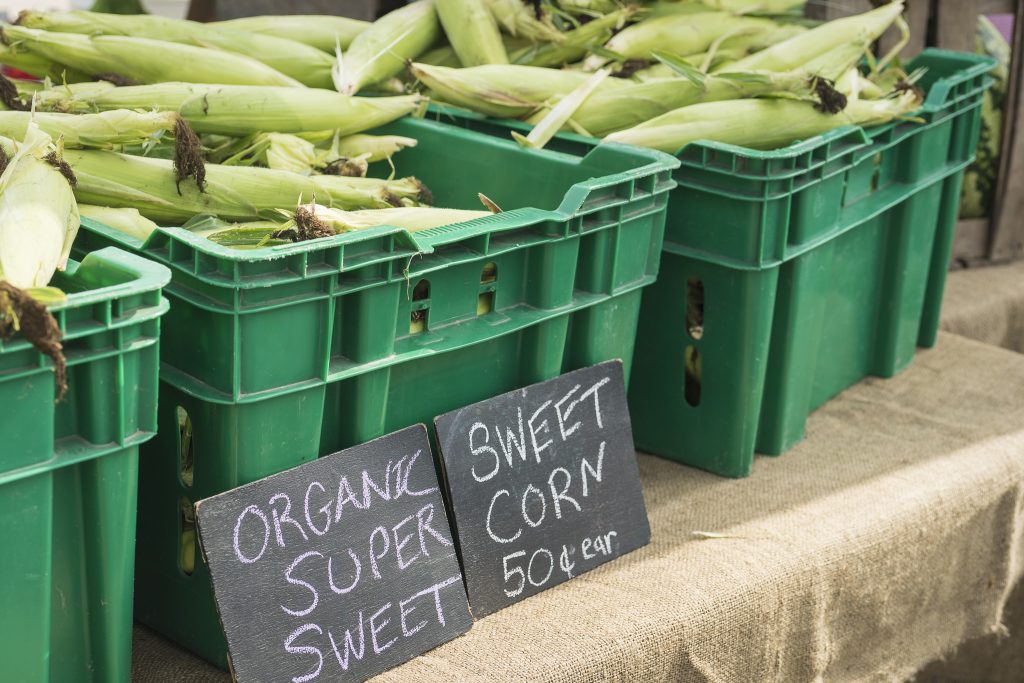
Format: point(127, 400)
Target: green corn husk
point(145, 60)
point(588, 7)
point(516, 19)
point(442, 55)
point(240, 110)
point(575, 43)
point(39, 66)
point(501, 90)
point(103, 130)
point(372, 147)
point(607, 111)
point(233, 193)
point(38, 213)
point(758, 123)
point(413, 218)
point(305, 64)
point(279, 151)
point(754, 6)
point(680, 34)
point(247, 235)
point(38, 223)
point(128, 221)
point(381, 51)
point(472, 31)
point(794, 53)
point(321, 31)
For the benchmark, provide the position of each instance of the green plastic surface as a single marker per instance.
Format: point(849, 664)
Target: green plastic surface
point(820, 264)
point(279, 355)
point(68, 474)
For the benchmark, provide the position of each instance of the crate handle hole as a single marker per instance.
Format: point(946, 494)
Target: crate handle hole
point(484, 303)
point(421, 307)
point(187, 539)
point(691, 387)
point(488, 278)
point(186, 447)
point(695, 308)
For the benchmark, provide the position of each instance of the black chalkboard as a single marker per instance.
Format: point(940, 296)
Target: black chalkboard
point(543, 484)
point(338, 569)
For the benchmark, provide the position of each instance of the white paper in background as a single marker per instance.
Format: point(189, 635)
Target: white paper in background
point(176, 9)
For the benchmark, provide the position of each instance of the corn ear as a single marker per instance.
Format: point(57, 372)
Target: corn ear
point(374, 147)
point(321, 31)
point(472, 31)
point(412, 219)
point(575, 43)
point(305, 64)
point(758, 123)
point(38, 214)
point(381, 51)
point(233, 193)
point(502, 90)
point(516, 19)
point(241, 110)
point(38, 66)
point(103, 130)
point(794, 53)
point(144, 60)
point(128, 221)
point(680, 34)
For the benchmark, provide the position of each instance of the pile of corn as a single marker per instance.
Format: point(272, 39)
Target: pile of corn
point(254, 132)
point(663, 74)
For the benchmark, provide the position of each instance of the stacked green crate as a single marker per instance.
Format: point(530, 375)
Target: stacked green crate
point(788, 275)
point(68, 474)
point(272, 357)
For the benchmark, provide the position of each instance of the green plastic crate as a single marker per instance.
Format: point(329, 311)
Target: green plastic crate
point(790, 275)
point(68, 474)
point(273, 357)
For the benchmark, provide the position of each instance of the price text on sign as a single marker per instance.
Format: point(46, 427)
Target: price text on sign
point(543, 484)
point(337, 569)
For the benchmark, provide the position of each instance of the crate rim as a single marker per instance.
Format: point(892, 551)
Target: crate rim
point(573, 204)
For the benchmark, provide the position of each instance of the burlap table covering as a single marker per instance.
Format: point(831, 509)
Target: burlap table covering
point(890, 535)
point(987, 304)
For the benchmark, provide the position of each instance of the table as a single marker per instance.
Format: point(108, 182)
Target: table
point(890, 535)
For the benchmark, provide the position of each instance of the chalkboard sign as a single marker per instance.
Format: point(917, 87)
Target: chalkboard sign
point(338, 569)
point(543, 484)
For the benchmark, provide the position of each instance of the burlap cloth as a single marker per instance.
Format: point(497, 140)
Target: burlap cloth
point(893, 533)
point(987, 304)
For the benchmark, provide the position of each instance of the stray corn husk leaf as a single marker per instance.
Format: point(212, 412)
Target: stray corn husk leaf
point(758, 123)
point(381, 51)
point(305, 64)
point(143, 60)
point(126, 220)
point(240, 110)
point(322, 31)
point(547, 127)
point(472, 31)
